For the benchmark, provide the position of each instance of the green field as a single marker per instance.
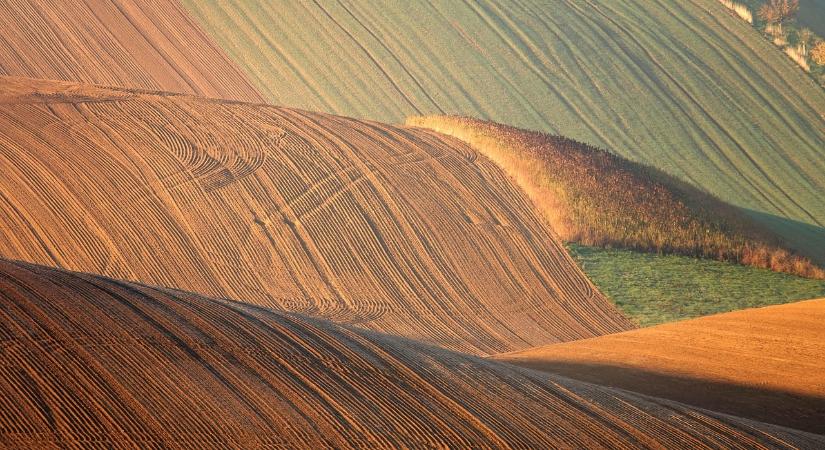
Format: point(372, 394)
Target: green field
point(812, 15)
point(682, 85)
point(653, 289)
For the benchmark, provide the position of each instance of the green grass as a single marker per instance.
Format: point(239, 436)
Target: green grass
point(653, 289)
point(683, 86)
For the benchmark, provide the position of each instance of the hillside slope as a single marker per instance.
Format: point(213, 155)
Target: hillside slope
point(127, 43)
point(765, 363)
point(593, 197)
point(89, 359)
point(396, 230)
point(680, 85)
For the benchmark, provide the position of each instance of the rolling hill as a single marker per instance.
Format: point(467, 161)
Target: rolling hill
point(683, 86)
point(128, 43)
point(397, 230)
point(184, 264)
point(600, 205)
point(93, 361)
point(592, 197)
point(764, 363)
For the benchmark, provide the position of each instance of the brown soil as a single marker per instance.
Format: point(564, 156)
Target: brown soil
point(395, 230)
point(765, 363)
point(131, 43)
point(90, 361)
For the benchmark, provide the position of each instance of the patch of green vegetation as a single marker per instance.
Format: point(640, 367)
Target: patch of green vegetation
point(654, 289)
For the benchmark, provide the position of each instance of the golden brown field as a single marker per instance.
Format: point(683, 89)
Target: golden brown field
point(129, 43)
point(594, 197)
point(763, 363)
point(184, 265)
point(396, 230)
point(95, 362)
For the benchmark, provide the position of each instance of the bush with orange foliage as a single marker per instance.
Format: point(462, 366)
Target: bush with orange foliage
point(593, 197)
point(818, 53)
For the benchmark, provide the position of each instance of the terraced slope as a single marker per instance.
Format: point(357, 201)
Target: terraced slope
point(129, 43)
point(397, 230)
point(88, 360)
point(765, 363)
point(681, 85)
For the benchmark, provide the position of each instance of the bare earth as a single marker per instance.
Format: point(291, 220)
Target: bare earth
point(95, 361)
point(130, 43)
point(213, 272)
point(764, 363)
point(397, 230)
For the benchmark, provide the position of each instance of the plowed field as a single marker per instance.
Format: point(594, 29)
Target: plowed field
point(90, 361)
point(765, 363)
point(128, 43)
point(397, 230)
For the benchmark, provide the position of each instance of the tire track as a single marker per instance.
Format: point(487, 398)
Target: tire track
point(357, 222)
point(92, 360)
point(125, 43)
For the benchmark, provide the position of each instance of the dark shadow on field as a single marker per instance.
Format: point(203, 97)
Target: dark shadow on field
point(806, 413)
point(794, 411)
point(805, 238)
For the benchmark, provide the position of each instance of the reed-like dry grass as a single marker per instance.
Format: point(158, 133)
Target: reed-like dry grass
point(799, 56)
point(741, 10)
point(593, 197)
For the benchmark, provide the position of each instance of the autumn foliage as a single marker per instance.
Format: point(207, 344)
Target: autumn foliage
point(593, 197)
point(778, 11)
point(818, 53)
